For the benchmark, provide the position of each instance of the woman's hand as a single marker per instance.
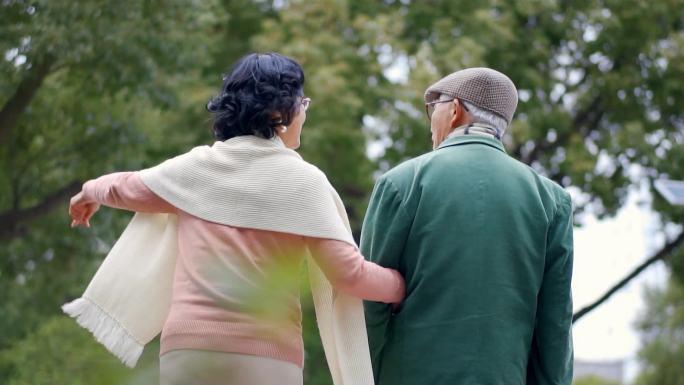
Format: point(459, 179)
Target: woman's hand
point(402, 289)
point(81, 209)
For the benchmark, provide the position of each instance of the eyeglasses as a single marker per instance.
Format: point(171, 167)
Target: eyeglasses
point(430, 107)
point(305, 103)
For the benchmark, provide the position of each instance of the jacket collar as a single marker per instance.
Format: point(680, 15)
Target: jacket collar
point(459, 140)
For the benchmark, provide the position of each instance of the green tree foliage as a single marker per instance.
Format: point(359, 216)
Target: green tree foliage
point(81, 83)
point(327, 37)
point(58, 352)
point(598, 84)
point(662, 329)
point(94, 86)
point(593, 380)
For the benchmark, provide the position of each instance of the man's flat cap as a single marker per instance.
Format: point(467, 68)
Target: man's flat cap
point(483, 87)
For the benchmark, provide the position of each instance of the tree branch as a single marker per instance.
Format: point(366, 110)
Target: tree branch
point(584, 122)
point(16, 105)
point(664, 252)
point(582, 117)
point(12, 220)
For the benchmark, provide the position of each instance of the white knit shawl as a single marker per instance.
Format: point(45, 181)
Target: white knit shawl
point(244, 182)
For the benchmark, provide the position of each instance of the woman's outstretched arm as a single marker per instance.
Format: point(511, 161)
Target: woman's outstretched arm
point(122, 190)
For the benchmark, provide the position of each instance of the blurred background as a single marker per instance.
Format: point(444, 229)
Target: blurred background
point(92, 87)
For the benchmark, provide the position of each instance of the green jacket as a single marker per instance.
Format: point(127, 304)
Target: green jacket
point(485, 245)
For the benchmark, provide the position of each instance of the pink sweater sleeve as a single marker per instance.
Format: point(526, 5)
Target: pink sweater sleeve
point(125, 190)
point(349, 272)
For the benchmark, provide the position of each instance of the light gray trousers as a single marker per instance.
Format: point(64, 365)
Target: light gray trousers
point(201, 367)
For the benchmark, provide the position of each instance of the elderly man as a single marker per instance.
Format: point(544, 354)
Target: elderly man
point(485, 245)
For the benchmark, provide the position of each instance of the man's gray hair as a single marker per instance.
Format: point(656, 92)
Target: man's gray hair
point(480, 115)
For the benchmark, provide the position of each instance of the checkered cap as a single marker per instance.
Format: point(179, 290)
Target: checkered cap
point(484, 87)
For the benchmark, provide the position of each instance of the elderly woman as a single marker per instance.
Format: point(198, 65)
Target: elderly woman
point(248, 209)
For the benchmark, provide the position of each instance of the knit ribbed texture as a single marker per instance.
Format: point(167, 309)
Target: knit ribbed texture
point(244, 182)
point(216, 336)
point(484, 87)
point(272, 188)
point(251, 182)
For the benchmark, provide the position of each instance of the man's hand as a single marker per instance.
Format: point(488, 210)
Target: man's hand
point(81, 209)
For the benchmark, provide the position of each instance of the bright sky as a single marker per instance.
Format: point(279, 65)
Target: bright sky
point(606, 251)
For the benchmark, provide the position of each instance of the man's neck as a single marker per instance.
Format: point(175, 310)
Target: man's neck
point(474, 129)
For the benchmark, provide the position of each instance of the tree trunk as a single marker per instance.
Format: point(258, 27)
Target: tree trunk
point(16, 105)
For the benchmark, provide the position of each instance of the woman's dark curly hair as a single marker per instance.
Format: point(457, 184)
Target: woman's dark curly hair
point(258, 89)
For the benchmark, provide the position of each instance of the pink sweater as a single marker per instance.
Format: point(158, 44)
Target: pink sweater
point(237, 289)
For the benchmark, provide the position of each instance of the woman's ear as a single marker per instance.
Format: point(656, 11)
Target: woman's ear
point(276, 117)
point(277, 122)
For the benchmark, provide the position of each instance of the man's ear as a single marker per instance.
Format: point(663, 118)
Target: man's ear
point(456, 115)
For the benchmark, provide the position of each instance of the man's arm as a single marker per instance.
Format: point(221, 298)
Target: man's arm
point(384, 233)
point(551, 354)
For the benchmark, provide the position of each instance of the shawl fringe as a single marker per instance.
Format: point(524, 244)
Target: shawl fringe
point(107, 330)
